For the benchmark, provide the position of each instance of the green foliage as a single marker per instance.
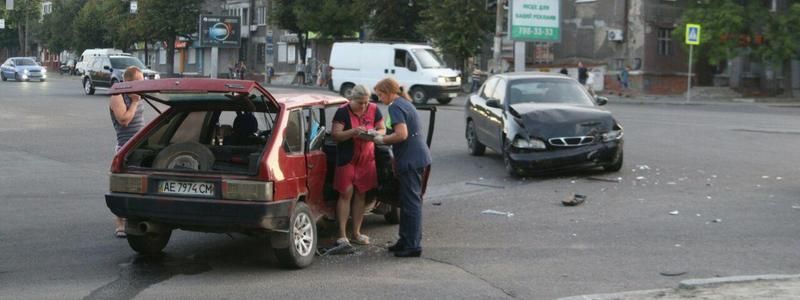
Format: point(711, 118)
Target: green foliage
point(28, 10)
point(332, 18)
point(458, 27)
point(283, 15)
point(393, 19)
point(164, 20)
point(90, 28)
point(782, 37)
point(55, 32)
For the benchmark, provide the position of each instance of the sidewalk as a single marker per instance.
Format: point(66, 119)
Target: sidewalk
point(701, 96)
point(777, 287)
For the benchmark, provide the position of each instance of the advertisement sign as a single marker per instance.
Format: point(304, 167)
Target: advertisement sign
point(535, 20)
point(220, 31)
point(693, 34)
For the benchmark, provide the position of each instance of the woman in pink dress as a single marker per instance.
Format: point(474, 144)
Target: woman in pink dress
point(355, 160)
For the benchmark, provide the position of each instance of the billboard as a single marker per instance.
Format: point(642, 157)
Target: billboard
point(535, 20)
point(220, 31)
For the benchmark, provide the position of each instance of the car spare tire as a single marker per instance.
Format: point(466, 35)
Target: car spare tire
point(185, 156)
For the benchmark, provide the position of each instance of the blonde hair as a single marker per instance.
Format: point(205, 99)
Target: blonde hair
point(390, 86)
point(130, 73)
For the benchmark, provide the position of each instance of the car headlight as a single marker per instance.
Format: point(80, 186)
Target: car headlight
point(26, 71)
point(612, 135)
point(458, 80)
point(157, 76)
point(528, 144)
point(44, 70)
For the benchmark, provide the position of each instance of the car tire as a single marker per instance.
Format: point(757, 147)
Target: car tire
point(476, 148)
point(149, 244)
point(88, 89)
point(346, 90)
point(17, 77)
point(3, 77)
point(444, 101)
point(300, 242)
point(509, 164)
point(393, 216)
point(418, 96)
point(187, 156)
point(616, 166)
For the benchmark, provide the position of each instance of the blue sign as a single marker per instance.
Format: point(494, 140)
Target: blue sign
point(220, 31)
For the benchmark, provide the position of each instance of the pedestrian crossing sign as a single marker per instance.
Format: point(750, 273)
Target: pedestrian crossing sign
point(692, 34)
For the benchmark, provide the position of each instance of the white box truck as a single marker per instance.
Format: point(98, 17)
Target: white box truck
point(416, 67)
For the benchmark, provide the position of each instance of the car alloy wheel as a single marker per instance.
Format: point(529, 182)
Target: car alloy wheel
point(88, 89)
point(296, 248)
point(475, 146)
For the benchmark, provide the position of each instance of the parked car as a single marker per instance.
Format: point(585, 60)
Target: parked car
point(416, 67)
point(22, 69)
point(103, 71)
point(542, 122)
point(227, 156)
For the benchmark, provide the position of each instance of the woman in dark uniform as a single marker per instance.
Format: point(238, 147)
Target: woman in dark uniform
point(411, 157)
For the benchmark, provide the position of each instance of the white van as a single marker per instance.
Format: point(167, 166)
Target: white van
point(416, 67)
point(80, 67)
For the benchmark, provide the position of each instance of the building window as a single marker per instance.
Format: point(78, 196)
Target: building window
point(260, 53)
point(47, 7)
point(665, 41)
point(261, 16)
point(542, 53)
point(192, 56)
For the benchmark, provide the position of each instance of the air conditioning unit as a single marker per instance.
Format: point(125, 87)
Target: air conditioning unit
point(615, 35)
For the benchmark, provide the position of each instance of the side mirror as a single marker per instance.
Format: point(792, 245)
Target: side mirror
point(601, 100)
point(493, 103)
point(106, 68)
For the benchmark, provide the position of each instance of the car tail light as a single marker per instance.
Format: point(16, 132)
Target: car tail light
point(247, 190)
point(127, 183)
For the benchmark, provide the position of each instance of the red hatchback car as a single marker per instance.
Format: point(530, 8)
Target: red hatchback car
point(227, 156)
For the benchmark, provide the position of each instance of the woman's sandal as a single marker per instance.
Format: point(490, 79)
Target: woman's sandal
point(361, 240)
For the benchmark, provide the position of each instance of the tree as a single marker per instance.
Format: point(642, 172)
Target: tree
point(457, 27)
point(284, 16)
point(55, 32)
point(332, 18)
point(166, 20)
point(732, 28)
point(23, 19)
point(90, 28)
point(393, 19)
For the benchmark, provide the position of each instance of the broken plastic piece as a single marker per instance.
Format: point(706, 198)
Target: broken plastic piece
point(573, 200)
point(618, 179)
point(499, 213)
point(674, 213)
point(640, 178)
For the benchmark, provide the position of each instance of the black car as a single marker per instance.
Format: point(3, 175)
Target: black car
point(104, 70)
point(541, 123)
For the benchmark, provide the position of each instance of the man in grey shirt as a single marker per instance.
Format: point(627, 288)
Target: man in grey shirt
point(127, 118)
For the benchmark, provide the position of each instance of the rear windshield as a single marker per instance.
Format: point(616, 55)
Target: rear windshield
point(125, 62)
point(207, 134)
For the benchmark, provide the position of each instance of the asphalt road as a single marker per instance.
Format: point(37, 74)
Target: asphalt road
point(730, 171)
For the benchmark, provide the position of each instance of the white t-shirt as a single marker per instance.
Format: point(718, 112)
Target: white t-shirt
point(590, 79)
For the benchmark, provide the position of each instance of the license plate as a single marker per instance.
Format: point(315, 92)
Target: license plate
point(452, 95)
point(186, 188)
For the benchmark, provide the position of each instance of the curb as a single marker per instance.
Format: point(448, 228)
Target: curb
point(709, 282)
point(688, 284)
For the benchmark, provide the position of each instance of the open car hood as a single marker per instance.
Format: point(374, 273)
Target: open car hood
point(188, 86)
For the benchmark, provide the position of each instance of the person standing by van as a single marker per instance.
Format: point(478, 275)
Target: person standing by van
point(127, 116)
point(411, 157)
point(355, 160)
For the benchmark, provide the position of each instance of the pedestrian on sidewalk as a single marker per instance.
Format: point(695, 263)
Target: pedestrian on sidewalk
point(299, 75)
point(583, 73)
point(476, 79)
point(624, 77)
point(590, 82)
point(411, 158)
point(127, 116)
point(322, 78)
point(241, 70)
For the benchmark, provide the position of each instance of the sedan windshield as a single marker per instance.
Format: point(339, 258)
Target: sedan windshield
point(547, 90)
point(125, 62)
point(428, 59)
point(24, 62)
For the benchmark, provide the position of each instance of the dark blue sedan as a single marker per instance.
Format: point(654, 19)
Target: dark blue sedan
point(22, 69)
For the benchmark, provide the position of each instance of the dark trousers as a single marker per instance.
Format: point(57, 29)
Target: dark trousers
point(410, 192)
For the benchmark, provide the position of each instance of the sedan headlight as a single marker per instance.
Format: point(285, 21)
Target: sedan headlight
point(528, 144)
point(26, 71)
point(616, 133)
point(44, 70)
point(157, 76)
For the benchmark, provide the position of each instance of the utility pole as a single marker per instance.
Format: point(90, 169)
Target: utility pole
point(498, 37)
